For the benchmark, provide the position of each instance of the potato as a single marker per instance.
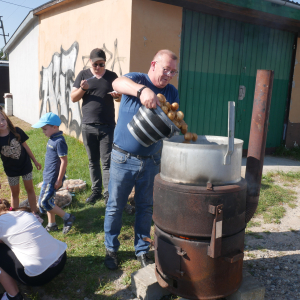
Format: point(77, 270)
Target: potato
point(184, 125)
point(168, 105)
point(174, 106)
point(165, 109)
point(162, 99)
point(195, 137)
point(179, 115)
point(183, 130)
point(177, 123)
point(118, 99)
point(171, 115)
point(188, 136)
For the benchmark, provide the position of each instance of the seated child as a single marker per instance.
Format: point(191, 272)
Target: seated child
point(54, 171)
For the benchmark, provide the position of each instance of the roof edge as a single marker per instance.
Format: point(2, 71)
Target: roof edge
point(48, 5)
point(23, 26)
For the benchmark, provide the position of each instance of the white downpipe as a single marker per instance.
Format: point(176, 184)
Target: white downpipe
point(285, 3)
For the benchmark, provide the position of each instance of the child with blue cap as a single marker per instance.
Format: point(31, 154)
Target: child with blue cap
point(56, 161)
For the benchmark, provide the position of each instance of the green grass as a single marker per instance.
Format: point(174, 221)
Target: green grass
point(273, 197)
point(253, 224)
point(84, 270)
point(254, 234)
point(84, 274)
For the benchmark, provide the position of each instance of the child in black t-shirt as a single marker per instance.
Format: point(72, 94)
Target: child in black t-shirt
point(16, 155)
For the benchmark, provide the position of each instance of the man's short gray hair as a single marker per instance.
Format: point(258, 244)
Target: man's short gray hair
point(159, 54)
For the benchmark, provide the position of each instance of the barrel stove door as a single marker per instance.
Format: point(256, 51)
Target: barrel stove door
point(167, 259)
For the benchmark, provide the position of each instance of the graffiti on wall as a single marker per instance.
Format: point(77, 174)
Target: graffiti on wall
point(112, 58)
point(57, 82)
point(56, 86)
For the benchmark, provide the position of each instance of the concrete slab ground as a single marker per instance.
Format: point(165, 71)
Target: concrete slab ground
point(273, 164)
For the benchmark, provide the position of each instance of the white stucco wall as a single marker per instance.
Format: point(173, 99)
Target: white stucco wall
point(24, 73)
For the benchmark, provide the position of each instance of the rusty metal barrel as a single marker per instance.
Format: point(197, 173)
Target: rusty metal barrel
point(190, 273)
point(199, 238)
point(183, 209)
point(200, 228)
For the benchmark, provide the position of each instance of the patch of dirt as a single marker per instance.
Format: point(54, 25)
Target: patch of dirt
point(20, 123)
point(272, 252)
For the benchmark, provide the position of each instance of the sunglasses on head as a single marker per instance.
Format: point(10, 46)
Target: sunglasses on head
point(100, 65)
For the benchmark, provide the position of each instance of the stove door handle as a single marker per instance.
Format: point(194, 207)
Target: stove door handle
point(181, 252)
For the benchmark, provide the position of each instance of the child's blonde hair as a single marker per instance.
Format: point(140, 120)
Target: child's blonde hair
point(11, 126)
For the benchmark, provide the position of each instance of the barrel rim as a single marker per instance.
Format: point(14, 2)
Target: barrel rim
point(237, 142)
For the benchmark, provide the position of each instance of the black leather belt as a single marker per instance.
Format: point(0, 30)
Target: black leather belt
point(96, 124)
point(128, 153)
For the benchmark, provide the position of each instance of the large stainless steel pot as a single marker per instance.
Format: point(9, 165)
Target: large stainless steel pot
point(201, 162)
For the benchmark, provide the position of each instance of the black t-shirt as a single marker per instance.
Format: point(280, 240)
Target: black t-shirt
point(98, 105)
point(16, 161)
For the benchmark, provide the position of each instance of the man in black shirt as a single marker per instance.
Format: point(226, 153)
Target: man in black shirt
point(94, 87)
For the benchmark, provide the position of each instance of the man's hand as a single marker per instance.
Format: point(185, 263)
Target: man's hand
point(115, 94)
point(38, 165)
point(84, 84)
point(149, 99)
point(57, 184)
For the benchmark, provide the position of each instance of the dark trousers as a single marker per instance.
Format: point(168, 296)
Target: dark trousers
point(12, 266)
point(98, 141)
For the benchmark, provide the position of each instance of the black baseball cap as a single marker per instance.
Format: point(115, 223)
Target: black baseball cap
point(97, 54)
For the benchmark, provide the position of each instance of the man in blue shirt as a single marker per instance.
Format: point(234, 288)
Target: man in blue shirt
point(131, 163)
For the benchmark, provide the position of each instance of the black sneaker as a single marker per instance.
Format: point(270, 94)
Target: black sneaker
point(144, 260)
point(105, 197)
point(130, 210)
point(68, 224)
point(93, 198)
point(51, 228)
point(111, 260)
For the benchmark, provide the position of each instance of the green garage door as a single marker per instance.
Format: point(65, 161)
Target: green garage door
point(219, 57)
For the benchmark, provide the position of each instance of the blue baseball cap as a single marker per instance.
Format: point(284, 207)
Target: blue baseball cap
point(48, 119)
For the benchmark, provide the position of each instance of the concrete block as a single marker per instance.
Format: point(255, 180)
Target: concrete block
point(250, 289)
point(145, 286)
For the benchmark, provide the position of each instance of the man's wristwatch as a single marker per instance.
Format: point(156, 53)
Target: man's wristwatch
point(83, 89)
point(140, 91)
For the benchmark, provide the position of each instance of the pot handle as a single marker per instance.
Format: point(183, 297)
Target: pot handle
point(231, 120)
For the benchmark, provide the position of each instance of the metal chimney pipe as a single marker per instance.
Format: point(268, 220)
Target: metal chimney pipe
point(257, 139)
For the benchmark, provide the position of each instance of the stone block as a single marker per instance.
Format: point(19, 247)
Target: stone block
point(145, 286)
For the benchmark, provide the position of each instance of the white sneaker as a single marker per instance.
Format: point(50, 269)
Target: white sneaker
point(4, 297)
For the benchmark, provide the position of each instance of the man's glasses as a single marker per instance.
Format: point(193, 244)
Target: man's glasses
point(168, 72)
point(100, 65)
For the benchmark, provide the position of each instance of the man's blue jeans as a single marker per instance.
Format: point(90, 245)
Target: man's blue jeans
point(125, 172)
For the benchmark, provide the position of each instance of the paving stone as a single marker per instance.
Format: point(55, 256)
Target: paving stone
point(145, 286)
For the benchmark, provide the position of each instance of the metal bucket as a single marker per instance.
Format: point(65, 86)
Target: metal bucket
point(201, 162)
point(151, 125)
